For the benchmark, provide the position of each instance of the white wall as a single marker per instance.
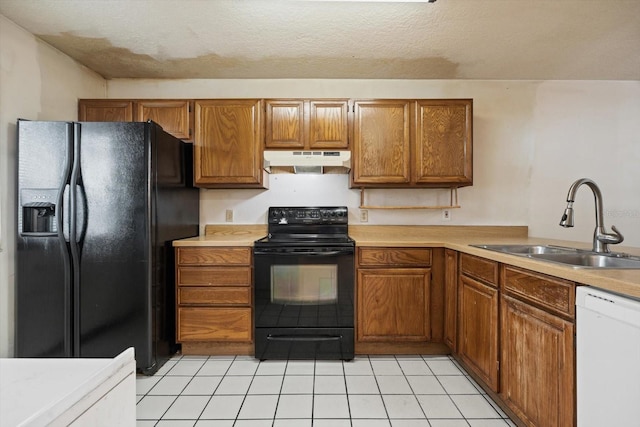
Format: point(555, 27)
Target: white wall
point(531, 141)
point(586, 130)
point(37, 82)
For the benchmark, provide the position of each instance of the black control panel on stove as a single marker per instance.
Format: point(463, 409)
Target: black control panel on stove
point(308, 215)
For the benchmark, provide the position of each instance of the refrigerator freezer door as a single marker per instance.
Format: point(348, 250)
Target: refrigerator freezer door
point(115, 295)
point(43, 275)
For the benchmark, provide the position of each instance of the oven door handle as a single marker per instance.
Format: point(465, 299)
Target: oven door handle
point(304, 337)
point(302, 253)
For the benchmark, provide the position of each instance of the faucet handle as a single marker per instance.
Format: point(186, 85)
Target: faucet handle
point(618, 234)
point(612, 238)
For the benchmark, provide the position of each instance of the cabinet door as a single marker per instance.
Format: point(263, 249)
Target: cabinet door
point(450, 298)
point(381, 142)
point(538, 360)
point(328, 124)
point(478, 329)
point(285, 121)
point(393, 304)
point(214, 324)
point(172, 116)
point(228, 143)
point(105, 110)
point(443, 148)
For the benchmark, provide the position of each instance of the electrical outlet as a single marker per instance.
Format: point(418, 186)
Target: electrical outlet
point(364, 215)
point(446, 215)
point(229, 215)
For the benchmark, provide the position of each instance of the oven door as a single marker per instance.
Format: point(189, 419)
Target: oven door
point(304, 304)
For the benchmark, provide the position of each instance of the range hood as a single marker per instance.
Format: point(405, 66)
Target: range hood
point(277, 161)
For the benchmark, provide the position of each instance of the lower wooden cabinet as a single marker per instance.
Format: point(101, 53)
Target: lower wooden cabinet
point(399, 300)
point(537, 348)
point(451, 299)
point(478, 323)
point(214, 300)
point(393, 304)
point(214, 324)
point(477, 340)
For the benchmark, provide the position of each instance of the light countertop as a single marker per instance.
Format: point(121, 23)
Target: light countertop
point(458, 238)
point(44, 391)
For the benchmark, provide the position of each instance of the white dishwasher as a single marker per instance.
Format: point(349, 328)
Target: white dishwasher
point(607, 358)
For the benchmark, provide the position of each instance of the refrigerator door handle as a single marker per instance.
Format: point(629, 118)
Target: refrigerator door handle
point(81, 213)
point(73, 239)
point(65, 213)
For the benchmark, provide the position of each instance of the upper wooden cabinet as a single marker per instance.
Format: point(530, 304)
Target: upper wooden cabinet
point(174, 116)
point(306, 124)
point(443, 150)
point(228, 143)
point(381, 143)
point(105, 110)
point(412, 143)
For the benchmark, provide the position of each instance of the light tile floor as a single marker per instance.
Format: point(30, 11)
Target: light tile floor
point(370, 391)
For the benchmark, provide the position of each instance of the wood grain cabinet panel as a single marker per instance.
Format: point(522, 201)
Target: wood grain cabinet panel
point(482, 269)
point(412, 143)
point(105, 110)
point(214, 276)
point(214, 295)
point(538, 365)
point(196, 295)
point(306, 124)
point(537, 331)
point(174, 116)
point(328, 124)
point(394, 257)
point(214, 324)
point(478, 329)
point(451, 299)
point(381, 142)
point(285, 124)
point(393, 304)
point(400, 300)
point(443, 146)
point(228, 143)
point(214, 256)
point(549, 293)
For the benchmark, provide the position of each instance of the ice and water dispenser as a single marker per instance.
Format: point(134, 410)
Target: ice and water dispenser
point(39, 212)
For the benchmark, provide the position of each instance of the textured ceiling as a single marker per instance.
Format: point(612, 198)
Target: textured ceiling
point(449, 39)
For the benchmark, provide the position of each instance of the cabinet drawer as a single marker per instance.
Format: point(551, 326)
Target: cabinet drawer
point(214, 256)
point(553, 294)
point(397, 257)
point(214, 324)
point(479, 268)
point(214, 276)
point(199, 295)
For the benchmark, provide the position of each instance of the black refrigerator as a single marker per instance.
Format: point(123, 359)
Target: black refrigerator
point(98, 207)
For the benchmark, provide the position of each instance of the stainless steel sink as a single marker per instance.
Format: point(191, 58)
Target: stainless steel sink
point(527, 249)
point(576, 258)
point(591, 260)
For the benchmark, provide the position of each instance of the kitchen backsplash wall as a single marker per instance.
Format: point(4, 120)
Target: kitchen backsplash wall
point(532, 139)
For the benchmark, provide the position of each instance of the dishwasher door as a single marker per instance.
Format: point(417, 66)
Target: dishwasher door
point(608, 359)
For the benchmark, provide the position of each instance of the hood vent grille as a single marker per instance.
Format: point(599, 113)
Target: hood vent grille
point(307, 161)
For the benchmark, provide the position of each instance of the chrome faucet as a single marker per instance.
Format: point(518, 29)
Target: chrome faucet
point(601, 239)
